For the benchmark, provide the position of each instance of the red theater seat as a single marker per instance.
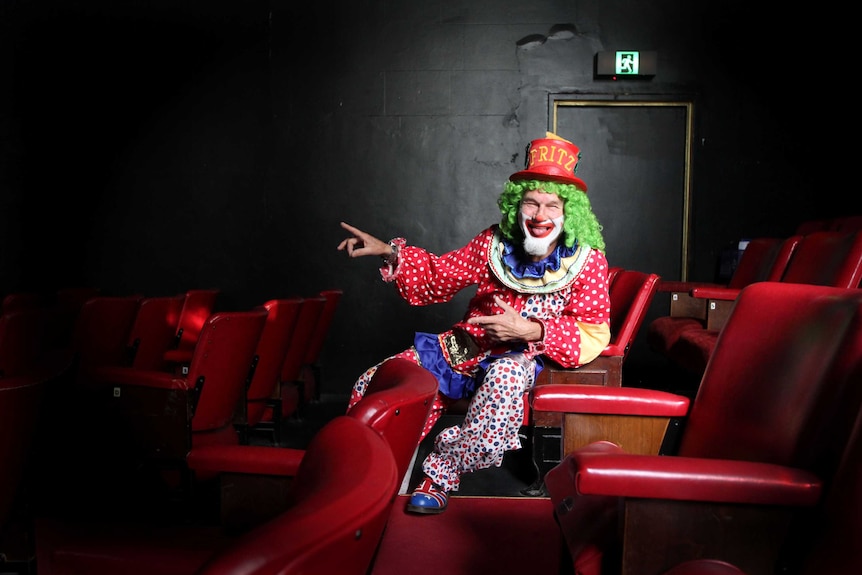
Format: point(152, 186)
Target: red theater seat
point(631, 293)
point(827, 542)
point(311, 368)
point(396, 405)
point(764, 259)
point(101, 333)
point(290, 394)
point(337, 507)
point(164, 414)
point(154, 331)
point(827, 258)
point(762, 438)
point(271, 349)
point(198, 305)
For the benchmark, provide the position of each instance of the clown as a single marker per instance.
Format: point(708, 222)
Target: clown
point(541, 291)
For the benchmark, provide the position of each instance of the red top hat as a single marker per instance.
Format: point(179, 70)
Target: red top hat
point(552, 159)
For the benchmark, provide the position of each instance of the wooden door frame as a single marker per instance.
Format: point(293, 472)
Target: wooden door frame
point(558, 101)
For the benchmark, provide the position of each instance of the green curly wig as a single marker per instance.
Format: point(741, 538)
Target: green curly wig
point(580, 223)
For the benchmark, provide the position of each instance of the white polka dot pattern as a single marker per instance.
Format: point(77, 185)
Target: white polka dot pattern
point(423, 278)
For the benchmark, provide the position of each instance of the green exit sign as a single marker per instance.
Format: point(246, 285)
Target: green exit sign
point(625, 63)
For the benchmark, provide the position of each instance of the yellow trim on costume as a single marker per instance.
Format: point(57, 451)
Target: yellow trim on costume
point(595, 337)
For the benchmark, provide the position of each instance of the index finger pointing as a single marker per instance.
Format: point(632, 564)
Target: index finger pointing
point(350, 228)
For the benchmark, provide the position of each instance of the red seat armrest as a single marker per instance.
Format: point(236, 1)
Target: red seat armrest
point(574, 398)
point(722, 293)
point(692, 479)
point(682, 286)
point(140, 378)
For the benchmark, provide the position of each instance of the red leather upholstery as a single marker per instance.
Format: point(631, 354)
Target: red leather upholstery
point(847, 223)
point(828, 258)
point(197, 307)
point(777, 391)
point(339, 502)
point(290, 386)
point(281, 320)
point(828, 542)
point(154, 331)
point(631, 293)
point(169, 413)
point(22, 300)
point(102, 331)
point(311, 360)
point(764, 259)
point(396, 405)
point(608, 400)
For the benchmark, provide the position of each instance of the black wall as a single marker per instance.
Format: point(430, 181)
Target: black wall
point(159, 146)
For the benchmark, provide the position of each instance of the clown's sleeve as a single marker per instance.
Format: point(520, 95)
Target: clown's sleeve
point(423, 278)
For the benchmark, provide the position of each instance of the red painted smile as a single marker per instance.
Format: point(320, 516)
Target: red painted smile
point(540, 229)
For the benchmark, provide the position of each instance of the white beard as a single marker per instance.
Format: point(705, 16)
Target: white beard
point(539, 246)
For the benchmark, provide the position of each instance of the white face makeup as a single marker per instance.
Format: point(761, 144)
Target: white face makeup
point(538, 236)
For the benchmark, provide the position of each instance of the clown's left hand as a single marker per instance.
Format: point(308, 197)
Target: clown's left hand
point(508, 326)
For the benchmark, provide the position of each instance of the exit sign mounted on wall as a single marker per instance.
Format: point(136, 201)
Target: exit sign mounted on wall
point(625, 64)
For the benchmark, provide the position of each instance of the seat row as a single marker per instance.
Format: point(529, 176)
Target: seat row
point(237, 372)
point(149, 378)
point(698, 310)
point(837, 224)
point(319, 510)
point(765, 476)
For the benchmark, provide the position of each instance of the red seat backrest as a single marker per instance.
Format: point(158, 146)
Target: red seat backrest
point(154, 330)
point(221, 365)
point(832, 540)
point(321, 328)
point(764, 259)
point(21, 300)
point(197, 307)
point(828, 258)
point(102, 331)
point(396, 405)
point(766, 383)
point(339, 504)
point(631, 294)
point(847, 223)
point(271, 349)
point(309, 315)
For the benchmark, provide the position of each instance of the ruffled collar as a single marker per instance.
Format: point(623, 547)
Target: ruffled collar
point(521, 267)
